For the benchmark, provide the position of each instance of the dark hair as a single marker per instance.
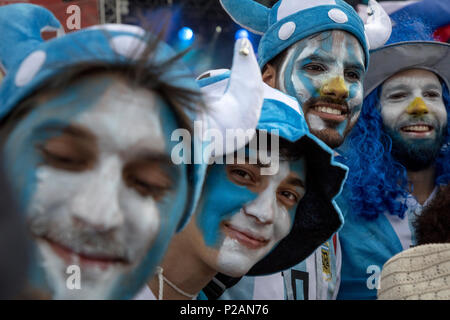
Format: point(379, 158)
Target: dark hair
point(276, 61)
point(433, 225)
point(140, 72)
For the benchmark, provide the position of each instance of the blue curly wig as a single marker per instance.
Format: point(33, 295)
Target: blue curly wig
point(375, 178)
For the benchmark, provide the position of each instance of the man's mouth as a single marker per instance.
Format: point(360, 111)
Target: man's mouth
point(418, 130)
point(330, 111)
point(247, 238)
point(83, 259)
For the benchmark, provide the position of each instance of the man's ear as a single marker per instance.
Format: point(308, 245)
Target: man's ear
point(269, 75)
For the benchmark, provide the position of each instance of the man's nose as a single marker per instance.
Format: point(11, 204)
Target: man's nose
point(97, 205)
point(262, 210)
point(417, 107)
point(335, 88)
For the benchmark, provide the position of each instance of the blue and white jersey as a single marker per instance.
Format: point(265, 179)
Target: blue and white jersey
point(368, 244)
point(316, 278)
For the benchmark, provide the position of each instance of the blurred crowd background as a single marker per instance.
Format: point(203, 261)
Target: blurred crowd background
point(201, 25)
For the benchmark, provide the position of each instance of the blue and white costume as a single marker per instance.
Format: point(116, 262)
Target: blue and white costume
point(265, 280)
point(380, 214)
point(282, 26)
point(29, 62)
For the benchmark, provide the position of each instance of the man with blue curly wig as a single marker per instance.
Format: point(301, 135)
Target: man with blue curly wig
point(398, 155)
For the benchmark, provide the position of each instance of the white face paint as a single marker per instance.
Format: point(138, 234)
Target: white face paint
point(254, 213)
point(103, 218)
point(264, 219)
point(325, 73)
point(412, 105)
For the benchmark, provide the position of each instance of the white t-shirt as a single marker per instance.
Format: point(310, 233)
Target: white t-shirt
point(145, 294)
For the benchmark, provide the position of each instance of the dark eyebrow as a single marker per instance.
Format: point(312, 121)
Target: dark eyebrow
point(149, 155)
point(325, 58)
point(295, 182)
point(357, 66)
point(432, 86)
point(73, 130)
point(79, 132)
point(400, 86)
point(247, 161)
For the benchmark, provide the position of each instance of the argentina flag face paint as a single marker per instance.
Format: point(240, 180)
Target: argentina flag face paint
point(243, 215)
point(91, 164)
point(325, 73)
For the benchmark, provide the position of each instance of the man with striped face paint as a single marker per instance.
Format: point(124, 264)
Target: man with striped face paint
point(231, 235)
point(325, 73)
point(248, 217)
point(317, 52)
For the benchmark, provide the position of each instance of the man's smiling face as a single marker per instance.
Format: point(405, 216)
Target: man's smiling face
point(414, 115)
point(243, 214)
point(92, 166)
point(325, 73)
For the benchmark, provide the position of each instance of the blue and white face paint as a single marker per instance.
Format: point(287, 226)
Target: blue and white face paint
point(414, 115)
point(93, 170)
point(243, 215)
point(325, 73)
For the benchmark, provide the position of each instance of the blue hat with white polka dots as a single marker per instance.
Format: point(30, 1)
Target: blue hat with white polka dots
point(289, 21)
point(29, 61)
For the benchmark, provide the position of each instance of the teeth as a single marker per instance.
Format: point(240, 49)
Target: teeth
point(328, 110)
point(417, 128)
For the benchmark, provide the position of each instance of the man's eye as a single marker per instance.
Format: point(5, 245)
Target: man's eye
point(289, 195)
point(149, 179)
point(288, 199)
point(352, 75)
point(63, 158)
point(144, 188)
point(242, 174)
point(314, 68)
point(432, 94)
point(398, 95)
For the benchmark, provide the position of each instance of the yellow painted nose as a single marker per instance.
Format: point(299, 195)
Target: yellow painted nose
point(417, 107)
point(335, 88)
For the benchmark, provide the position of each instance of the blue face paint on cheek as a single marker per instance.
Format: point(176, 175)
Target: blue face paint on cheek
point(221, 200)
point(355, 91)
point(294, 73)
point(355, 88)
point(341, 127)
point(298, 82)
point(21, 153)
